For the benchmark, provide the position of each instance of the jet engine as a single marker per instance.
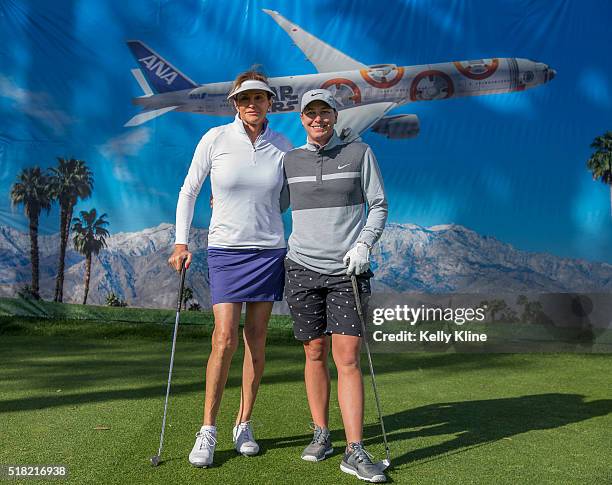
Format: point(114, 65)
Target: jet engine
point(397, 126)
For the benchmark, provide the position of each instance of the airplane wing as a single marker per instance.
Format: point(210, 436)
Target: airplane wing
point(352, 122)
point(145, 116)
point(324, 57)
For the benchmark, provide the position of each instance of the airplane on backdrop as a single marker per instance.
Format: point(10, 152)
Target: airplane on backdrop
point(365, 94)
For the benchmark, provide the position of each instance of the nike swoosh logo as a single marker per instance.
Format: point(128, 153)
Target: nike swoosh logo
point(340, 167)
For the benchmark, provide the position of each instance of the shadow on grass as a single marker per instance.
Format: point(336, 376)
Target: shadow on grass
point(476, 423)
point(221, 457)
point(146, 370)
point(44, 366)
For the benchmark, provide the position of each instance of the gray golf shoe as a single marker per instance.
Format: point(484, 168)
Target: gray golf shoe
point(320, 447)
point(357, 461)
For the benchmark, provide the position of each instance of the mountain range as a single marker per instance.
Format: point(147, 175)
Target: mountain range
point(408, 258)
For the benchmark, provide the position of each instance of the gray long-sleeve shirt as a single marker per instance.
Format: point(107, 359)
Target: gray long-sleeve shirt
point(329, 190)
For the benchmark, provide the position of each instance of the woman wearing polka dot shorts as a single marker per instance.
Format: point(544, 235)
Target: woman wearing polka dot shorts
point(339, 211)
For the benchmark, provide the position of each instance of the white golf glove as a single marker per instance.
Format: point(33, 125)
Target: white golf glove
point(357, 259)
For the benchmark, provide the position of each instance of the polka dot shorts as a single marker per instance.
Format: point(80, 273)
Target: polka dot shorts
point(323, 304)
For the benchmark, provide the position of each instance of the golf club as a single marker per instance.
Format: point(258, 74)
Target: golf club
point(156, 459)
point(386, 463)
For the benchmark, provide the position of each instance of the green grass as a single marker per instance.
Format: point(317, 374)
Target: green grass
point(19, 307)
point(451, 418)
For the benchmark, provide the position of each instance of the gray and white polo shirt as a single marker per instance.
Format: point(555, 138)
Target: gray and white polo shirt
point(337, 198)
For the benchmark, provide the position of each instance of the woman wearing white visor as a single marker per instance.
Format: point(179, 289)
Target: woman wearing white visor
point(246, 248)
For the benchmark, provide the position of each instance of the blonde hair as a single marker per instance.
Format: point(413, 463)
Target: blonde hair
point(251, 75)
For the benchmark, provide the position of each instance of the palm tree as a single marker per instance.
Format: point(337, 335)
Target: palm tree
point(71, 180)
point(33, 191)
point(187, 295)
point(600, 163)
point(495, 307)
point(89, 238)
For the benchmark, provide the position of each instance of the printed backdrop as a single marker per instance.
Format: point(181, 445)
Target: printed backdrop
point(493, 194)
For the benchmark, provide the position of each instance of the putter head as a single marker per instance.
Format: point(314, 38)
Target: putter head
point(383, 465)
point(155, 460)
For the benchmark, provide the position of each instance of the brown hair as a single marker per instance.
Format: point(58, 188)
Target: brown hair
point(251, 75)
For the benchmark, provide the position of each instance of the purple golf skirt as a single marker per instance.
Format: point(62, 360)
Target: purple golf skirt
point(238, 275)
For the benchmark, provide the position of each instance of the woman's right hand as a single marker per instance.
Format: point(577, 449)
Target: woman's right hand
point(180, 254)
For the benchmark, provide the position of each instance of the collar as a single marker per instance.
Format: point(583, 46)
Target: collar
point(333, 141)
point(239, 125)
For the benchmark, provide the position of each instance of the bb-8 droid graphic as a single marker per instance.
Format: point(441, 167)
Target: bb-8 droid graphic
point(345, 91)
point(477, 69)
point(430, 85)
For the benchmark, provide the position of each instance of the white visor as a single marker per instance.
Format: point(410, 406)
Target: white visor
point(250, 85)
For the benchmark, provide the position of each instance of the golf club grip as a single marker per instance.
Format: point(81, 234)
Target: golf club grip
point(181, 287)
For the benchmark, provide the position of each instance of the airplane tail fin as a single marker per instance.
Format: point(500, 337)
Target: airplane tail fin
point(162, 76)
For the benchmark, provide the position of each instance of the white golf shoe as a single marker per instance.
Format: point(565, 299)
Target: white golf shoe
point(204, 448)
point(244, 442)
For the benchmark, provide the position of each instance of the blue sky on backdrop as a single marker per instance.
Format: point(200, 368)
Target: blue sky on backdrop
point(511, 166)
